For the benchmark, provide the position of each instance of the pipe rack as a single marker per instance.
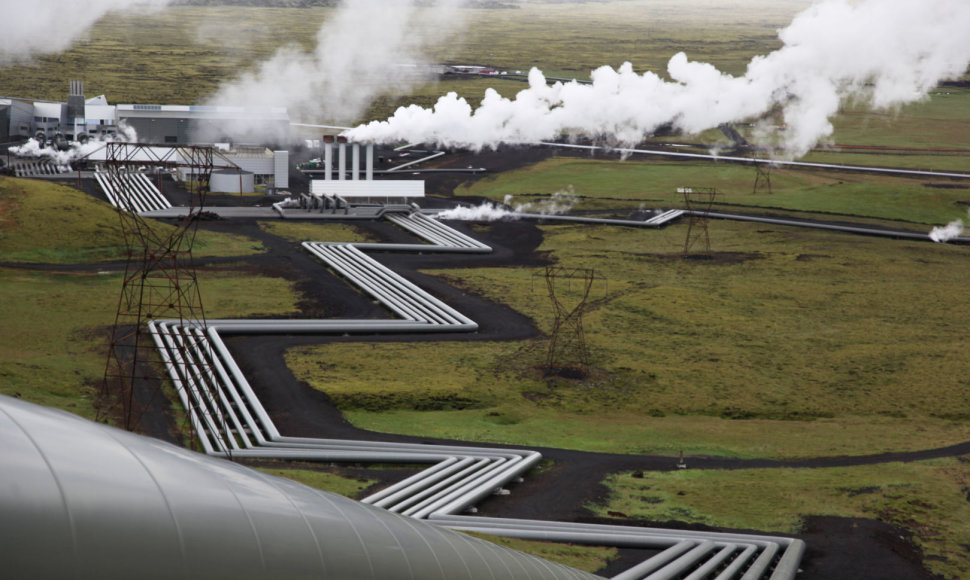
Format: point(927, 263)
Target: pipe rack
point(231, 421)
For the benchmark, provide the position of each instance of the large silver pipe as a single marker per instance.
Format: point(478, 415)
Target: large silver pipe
point(685, 562)
point(707, 568)
point(355, 171)
point(342, 161)
point(327, 160)
point(769, 162)
point(369, 176)
point(661, 559)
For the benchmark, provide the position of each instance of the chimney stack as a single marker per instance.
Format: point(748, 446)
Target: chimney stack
point(327, 157)
point(355, 172)
point(370, 163)
point(342, 158)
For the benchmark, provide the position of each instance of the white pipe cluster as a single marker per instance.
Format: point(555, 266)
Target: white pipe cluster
point(231, 421)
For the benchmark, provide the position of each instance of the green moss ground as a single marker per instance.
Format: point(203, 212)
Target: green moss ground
point(926, 498)
point(56, 321)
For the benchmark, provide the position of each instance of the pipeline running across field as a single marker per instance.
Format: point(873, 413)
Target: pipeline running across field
point(230, 421)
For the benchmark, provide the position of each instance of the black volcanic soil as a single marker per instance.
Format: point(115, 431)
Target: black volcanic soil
point(838, 548)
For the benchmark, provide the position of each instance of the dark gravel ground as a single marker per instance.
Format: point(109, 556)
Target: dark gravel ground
point(838, 548)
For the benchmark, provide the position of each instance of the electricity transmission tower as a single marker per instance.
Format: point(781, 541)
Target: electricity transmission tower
point(567, 342)
point(160, 280)
point(762, 178)
point(698, 201)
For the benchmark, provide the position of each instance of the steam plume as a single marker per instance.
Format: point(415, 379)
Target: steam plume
point(365, 50)
point(558, 203)
point(884, 53)
point(31, 28)
point(946, 233)
point(75, 150)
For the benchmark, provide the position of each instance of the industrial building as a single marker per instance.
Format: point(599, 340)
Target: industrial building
point(80, 119)
point(181, 124)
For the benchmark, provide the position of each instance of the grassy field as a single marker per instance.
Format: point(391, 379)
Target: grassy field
point(796, 331)
point(627, 185)
point(588, 558)
point(926, 498)
point(296, 231)
point(190, 50)
point(56, 320)
point(51, 223)
point(787, 344)
point(325, 480)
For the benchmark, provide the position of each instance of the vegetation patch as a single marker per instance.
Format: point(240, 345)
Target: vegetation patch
point(640, 182)
point(51, 223)
point(305, 231)
point(587, 558)
point(312, 476)
point(928, 499)
point(757, 353)
point(57, 324)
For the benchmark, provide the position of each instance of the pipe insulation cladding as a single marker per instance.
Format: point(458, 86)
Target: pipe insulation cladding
point(83, 500)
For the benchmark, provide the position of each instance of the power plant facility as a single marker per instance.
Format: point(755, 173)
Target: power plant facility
point(81, 119)
point(429, 330)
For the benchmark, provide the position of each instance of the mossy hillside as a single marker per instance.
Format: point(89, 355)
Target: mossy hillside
point(798, 331)
point(52, 223)
point(927, 499)
point(56, 316)
point(587, 558)
point(56, 326)
point(912, 204)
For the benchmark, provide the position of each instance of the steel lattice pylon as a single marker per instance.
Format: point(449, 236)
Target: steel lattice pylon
point(762, 179)
point(159, 282)
point(567, 343)
point(698, 201)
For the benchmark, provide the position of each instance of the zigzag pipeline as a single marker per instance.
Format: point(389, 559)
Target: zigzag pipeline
point(230, 421)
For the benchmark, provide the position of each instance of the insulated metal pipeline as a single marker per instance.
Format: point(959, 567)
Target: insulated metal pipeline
point(921, 236)
point(415, 162)
point(770, 162)
point(231, 421)
point(396, 293)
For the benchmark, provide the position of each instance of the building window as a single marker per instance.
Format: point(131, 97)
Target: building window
point(171, 139)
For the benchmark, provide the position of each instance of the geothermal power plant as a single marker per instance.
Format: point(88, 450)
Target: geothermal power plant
point(176, 512)
point(80, 499)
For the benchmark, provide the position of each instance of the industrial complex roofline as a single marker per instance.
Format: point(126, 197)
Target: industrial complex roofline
point(79, 119)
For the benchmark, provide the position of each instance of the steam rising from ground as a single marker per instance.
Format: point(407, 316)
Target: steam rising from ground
point(558, 203)
point(34, 27)
point(883, 53)
point(366, 49)
point(948, 232)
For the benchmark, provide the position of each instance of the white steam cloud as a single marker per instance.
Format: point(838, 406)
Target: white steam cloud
point(76, 150)
point(884, 53)
point(35, 27)
point(948, 232)
point(558, 203)
point(366, 49)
